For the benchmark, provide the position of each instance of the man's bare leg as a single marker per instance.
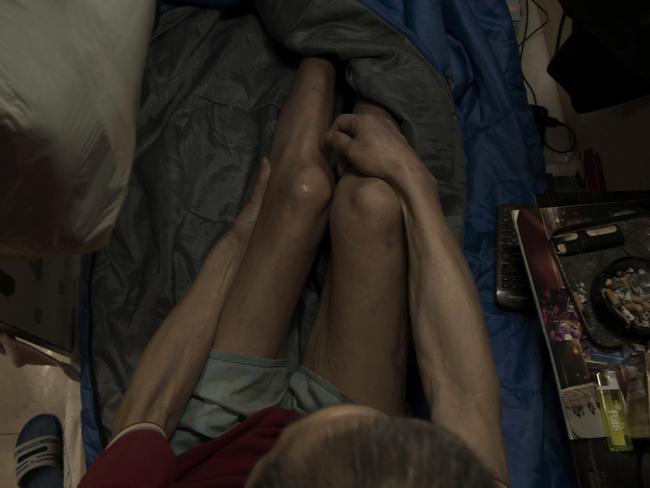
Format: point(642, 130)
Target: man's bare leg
point(463, 396)
point(358, 341)
point(257, 269)
point(291, 223)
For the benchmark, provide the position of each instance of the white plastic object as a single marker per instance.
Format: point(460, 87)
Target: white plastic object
point(70, 75)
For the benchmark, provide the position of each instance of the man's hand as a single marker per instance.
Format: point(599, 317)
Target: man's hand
point(374, 146)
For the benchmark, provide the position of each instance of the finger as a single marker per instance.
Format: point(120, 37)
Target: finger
point(342, 166)
point(338, 141)
point(254, 203)
point(245, 221)
point(261, 180)
point(348, 123)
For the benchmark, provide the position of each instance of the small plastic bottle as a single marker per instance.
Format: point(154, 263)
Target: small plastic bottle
point(612, 408)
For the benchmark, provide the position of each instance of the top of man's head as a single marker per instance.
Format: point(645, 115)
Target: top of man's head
point(379, 452)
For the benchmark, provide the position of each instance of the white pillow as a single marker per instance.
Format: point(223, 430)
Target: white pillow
point(70, 74)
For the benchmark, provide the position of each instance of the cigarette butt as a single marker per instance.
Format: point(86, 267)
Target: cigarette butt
point(634, 307)
point(612, 297)
point(578, 302)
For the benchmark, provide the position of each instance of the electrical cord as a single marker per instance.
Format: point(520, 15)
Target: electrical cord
point(548, 121)
point(537, 29)
point(530, 87)
point(553, 122)
point(521, 55)
point(527, 36)
point(560, 30)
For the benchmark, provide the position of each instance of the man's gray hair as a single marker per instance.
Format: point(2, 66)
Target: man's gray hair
point(383, 452)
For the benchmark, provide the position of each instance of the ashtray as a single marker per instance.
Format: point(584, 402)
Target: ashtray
point(620, 297)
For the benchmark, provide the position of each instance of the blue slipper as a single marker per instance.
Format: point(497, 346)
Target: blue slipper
point(39, 453)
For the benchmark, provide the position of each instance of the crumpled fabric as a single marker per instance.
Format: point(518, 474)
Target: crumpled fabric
point(70, 76)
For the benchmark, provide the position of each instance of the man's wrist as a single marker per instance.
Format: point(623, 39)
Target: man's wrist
point(226, 255)
point(499, 483)
point(410, 180)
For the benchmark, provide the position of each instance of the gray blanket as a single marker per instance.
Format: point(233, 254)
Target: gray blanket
point(213, 88)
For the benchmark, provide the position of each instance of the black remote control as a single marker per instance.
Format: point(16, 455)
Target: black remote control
point(512, 287)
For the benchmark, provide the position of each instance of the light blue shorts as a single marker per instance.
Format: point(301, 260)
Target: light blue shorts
point(234, 386)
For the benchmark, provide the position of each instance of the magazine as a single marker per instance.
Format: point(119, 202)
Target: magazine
point(567, 250)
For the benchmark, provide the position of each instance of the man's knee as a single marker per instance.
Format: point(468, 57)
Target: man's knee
point(366, 208)
point(307, 189)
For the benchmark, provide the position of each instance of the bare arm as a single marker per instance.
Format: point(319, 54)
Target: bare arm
point(174, 358)
point(451, 341)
